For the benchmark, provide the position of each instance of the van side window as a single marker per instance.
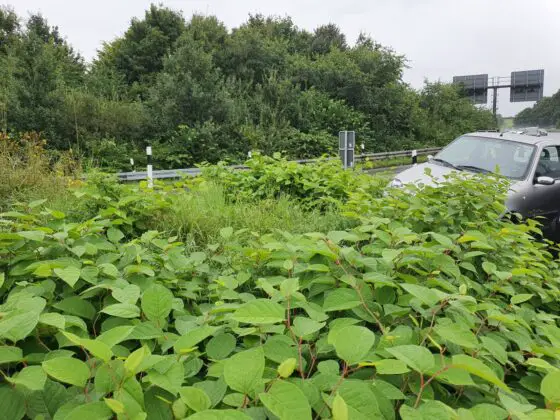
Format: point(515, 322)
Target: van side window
point(549, 162)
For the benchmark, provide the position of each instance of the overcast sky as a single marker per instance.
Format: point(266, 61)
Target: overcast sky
point(441, 38)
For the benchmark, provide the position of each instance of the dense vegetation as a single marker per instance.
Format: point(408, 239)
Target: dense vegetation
point(199, 92)
point(280, 292)
point(545, 113)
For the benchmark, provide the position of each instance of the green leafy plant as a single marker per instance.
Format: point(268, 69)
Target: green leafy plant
point(430, 305)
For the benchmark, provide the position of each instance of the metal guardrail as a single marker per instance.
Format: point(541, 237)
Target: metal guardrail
point(180, 173)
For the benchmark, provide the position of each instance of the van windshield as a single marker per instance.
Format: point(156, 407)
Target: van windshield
point(480, 154)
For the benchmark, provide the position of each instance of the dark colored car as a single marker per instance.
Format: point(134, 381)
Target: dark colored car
point(532, 163)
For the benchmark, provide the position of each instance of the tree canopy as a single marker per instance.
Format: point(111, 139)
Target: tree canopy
point(545, 113)
point(198, 91)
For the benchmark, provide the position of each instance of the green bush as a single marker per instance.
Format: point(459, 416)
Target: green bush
point(318, 185)
point(430, 306)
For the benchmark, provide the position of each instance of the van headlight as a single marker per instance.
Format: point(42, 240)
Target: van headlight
point(396, 183)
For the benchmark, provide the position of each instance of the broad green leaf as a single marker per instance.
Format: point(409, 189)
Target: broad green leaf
point(70, 275)
point(234, 400)
point(360, 400)
point(515, 403)
point(338, 236)
point(109, 377)
point(352, 343)
point(489, 267)
point(339, 408)
point(128, 294)
point(260, 311)
point(418, 358)
point(179, 409)
point(158, 404)
point(341, 299)
point(542, 364)
point(550, 387)
point(425, 295)
point(214, 389)
point(170, 378)
point(53, 319)
point(286, 401)
point(116, 406)
point(457, 334)
point(195, 398)
point(476, 367)
point(115, 335)
point(89, 411)
point(32, 235)
point(287, 367)
point(186, 342)
point(122, 310)
point(9, 354)
point(145, 331)
point(68, 370)
point(430, 409)
point(109, 270)
point(243, 371)
point(304, 327)
point(220, 415)
point(114, 235)
point(495, 349)
point(48, 401)
point(220, 346)
point(279, 348)
point(135, 359)
point(157, 302)
point(96, 348)
point(76, 306)
point(17, 324)
point(12, 404)
point(31, 377)
point(517, 299)
point(390, 391)
point(488, 412)
point(390, 367)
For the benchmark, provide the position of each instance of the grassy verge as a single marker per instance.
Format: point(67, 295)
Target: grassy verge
point(198, 216)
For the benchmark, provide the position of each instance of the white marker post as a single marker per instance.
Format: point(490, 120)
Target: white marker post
point(150, 168)
point(414, 157)
point(132, 165)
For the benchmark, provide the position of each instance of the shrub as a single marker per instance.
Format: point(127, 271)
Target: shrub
point(318, 185)
point(27, 170)
point(430, 306)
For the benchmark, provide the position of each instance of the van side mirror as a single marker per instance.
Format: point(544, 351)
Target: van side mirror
point(545, 180)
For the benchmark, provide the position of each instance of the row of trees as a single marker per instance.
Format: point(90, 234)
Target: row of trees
point(545, 113)
point(199, 92)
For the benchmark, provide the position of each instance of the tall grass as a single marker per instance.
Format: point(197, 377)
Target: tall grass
point(198, 216)
point(27, 172)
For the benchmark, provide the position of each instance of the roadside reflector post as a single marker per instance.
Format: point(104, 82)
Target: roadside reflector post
point(414, 157)
point(132, 165)
point(150, 168)
point(346, 145)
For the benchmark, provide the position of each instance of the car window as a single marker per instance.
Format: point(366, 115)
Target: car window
point(510, 158)
point(549, 162)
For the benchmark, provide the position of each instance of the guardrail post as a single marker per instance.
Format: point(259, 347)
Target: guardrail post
point(150, 168)
point(414, 154)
